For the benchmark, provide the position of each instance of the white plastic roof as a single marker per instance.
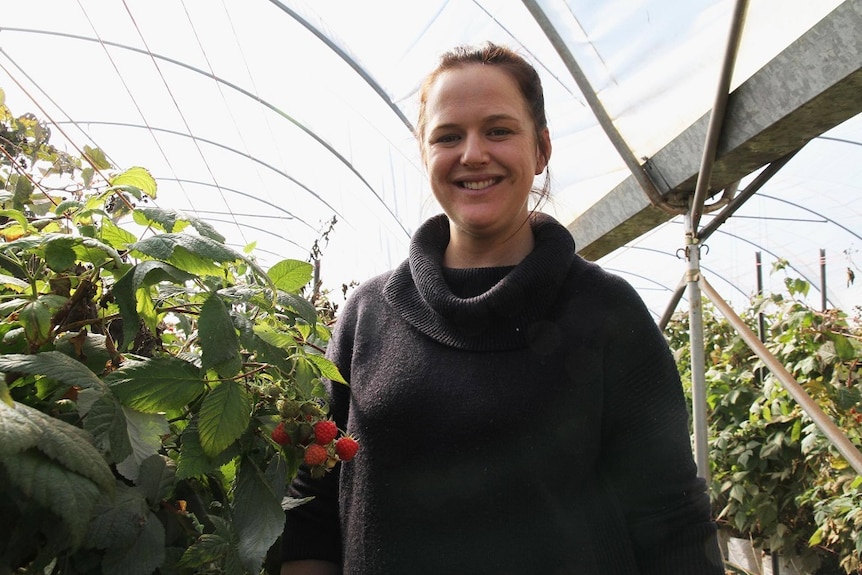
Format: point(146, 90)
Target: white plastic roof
point(268, 118)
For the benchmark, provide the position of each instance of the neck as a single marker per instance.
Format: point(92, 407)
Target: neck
point(466, 251)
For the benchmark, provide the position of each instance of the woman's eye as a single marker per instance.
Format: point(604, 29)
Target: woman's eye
point(446, 139)
point(499, 132)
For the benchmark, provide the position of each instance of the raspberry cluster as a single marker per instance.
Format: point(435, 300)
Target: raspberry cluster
point(319, 441)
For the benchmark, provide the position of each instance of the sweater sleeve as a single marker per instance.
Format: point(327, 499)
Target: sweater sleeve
point(312, 530)
point(647, 455)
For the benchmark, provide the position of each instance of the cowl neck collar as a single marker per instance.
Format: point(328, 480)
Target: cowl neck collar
point(500, 317)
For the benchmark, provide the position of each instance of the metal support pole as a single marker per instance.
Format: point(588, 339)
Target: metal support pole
point(822, 279)
point(698, 377)
point(832, 432)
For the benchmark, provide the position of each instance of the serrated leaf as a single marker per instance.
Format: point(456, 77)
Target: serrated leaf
point(326, 367)
point(89, 348)
point(115, 236)
point(298, 304)
point(36, 319)
point(843, 347)
point(224, 416)
point(174, 221)
point(59, 254)
point(136, 177)
point(70, 446)
point(192, 461)
point(290, 275)
point(18, 216)
point(157, 478)
point(209, 548)
point(163, 246)
point(164, 219)
point(141, 276)
point(13, 283)
point(278, 339)
point(145, 433)
point(144, 556)
point(218, 338)
point(117, 521)
point(257, 516)
point(157, 385)
point(106, 421)
point(67, 494)
point(52, 364)
point(97, 157)
point(18, 432)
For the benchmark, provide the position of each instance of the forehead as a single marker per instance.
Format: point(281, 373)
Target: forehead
point(474, 91)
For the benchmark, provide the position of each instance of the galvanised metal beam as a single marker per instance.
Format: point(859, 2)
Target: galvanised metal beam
point(809, 88)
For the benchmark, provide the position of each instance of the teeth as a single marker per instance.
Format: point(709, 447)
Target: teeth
point(478, 185)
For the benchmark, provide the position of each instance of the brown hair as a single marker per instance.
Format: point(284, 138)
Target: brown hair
point(521, 71)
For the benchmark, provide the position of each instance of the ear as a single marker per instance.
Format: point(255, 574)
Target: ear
point(543, 151)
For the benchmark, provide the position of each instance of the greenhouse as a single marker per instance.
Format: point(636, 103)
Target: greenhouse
point(180, 170)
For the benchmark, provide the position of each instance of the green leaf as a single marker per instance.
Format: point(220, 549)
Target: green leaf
point(192, 461)
point(97, 157)
point(92, 346)
point(95, 251)
point(146, 553)
point(157, 478)
point(157, 385)
point(843, 347)
point(298, 304)
point(224, 416)
point(107, 422)
point(52, 364)
point(59, 254)
point(326, 367)
point(174, 221)
point(115, 236)
point(165, 219)
point(136, 177)
point(36, 319)
point(275, 338)
point(257, 516)
point(290, 275)
point(141, 276)
point(163, 246)
point(64, 492)
point(13, 283)
point(209, 548)
point(117, 521)
point(17, 431)
point(145, 433)
point(218, 338)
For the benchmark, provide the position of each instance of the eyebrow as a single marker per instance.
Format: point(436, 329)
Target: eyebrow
point(488, 120)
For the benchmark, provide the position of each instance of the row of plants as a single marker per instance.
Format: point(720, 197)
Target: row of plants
point(775, 479)
point(160, 388)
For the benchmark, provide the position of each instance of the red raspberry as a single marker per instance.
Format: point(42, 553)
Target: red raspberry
point(315, 455)
point(325, 431)
point(346, 448)
point(279, 435)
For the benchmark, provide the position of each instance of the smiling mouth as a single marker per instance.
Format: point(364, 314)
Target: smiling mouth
point(480, 185)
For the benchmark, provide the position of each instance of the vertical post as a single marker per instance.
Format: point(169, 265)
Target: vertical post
point(698, 378)
point(761, 326)
point(315, 281)
point(761, 321)
point(822, 279)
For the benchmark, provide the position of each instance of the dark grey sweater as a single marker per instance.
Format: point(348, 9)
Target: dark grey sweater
point(511, 420)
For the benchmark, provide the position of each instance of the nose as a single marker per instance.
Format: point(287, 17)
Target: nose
point(474, 151)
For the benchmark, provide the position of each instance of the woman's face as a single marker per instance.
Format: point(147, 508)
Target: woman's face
point(480, 150)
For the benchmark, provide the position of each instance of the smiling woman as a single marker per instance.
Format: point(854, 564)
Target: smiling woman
point(482, 148)
point(518, 410)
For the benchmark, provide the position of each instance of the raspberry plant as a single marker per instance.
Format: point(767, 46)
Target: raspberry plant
point(776, 480)
point(146, 367)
